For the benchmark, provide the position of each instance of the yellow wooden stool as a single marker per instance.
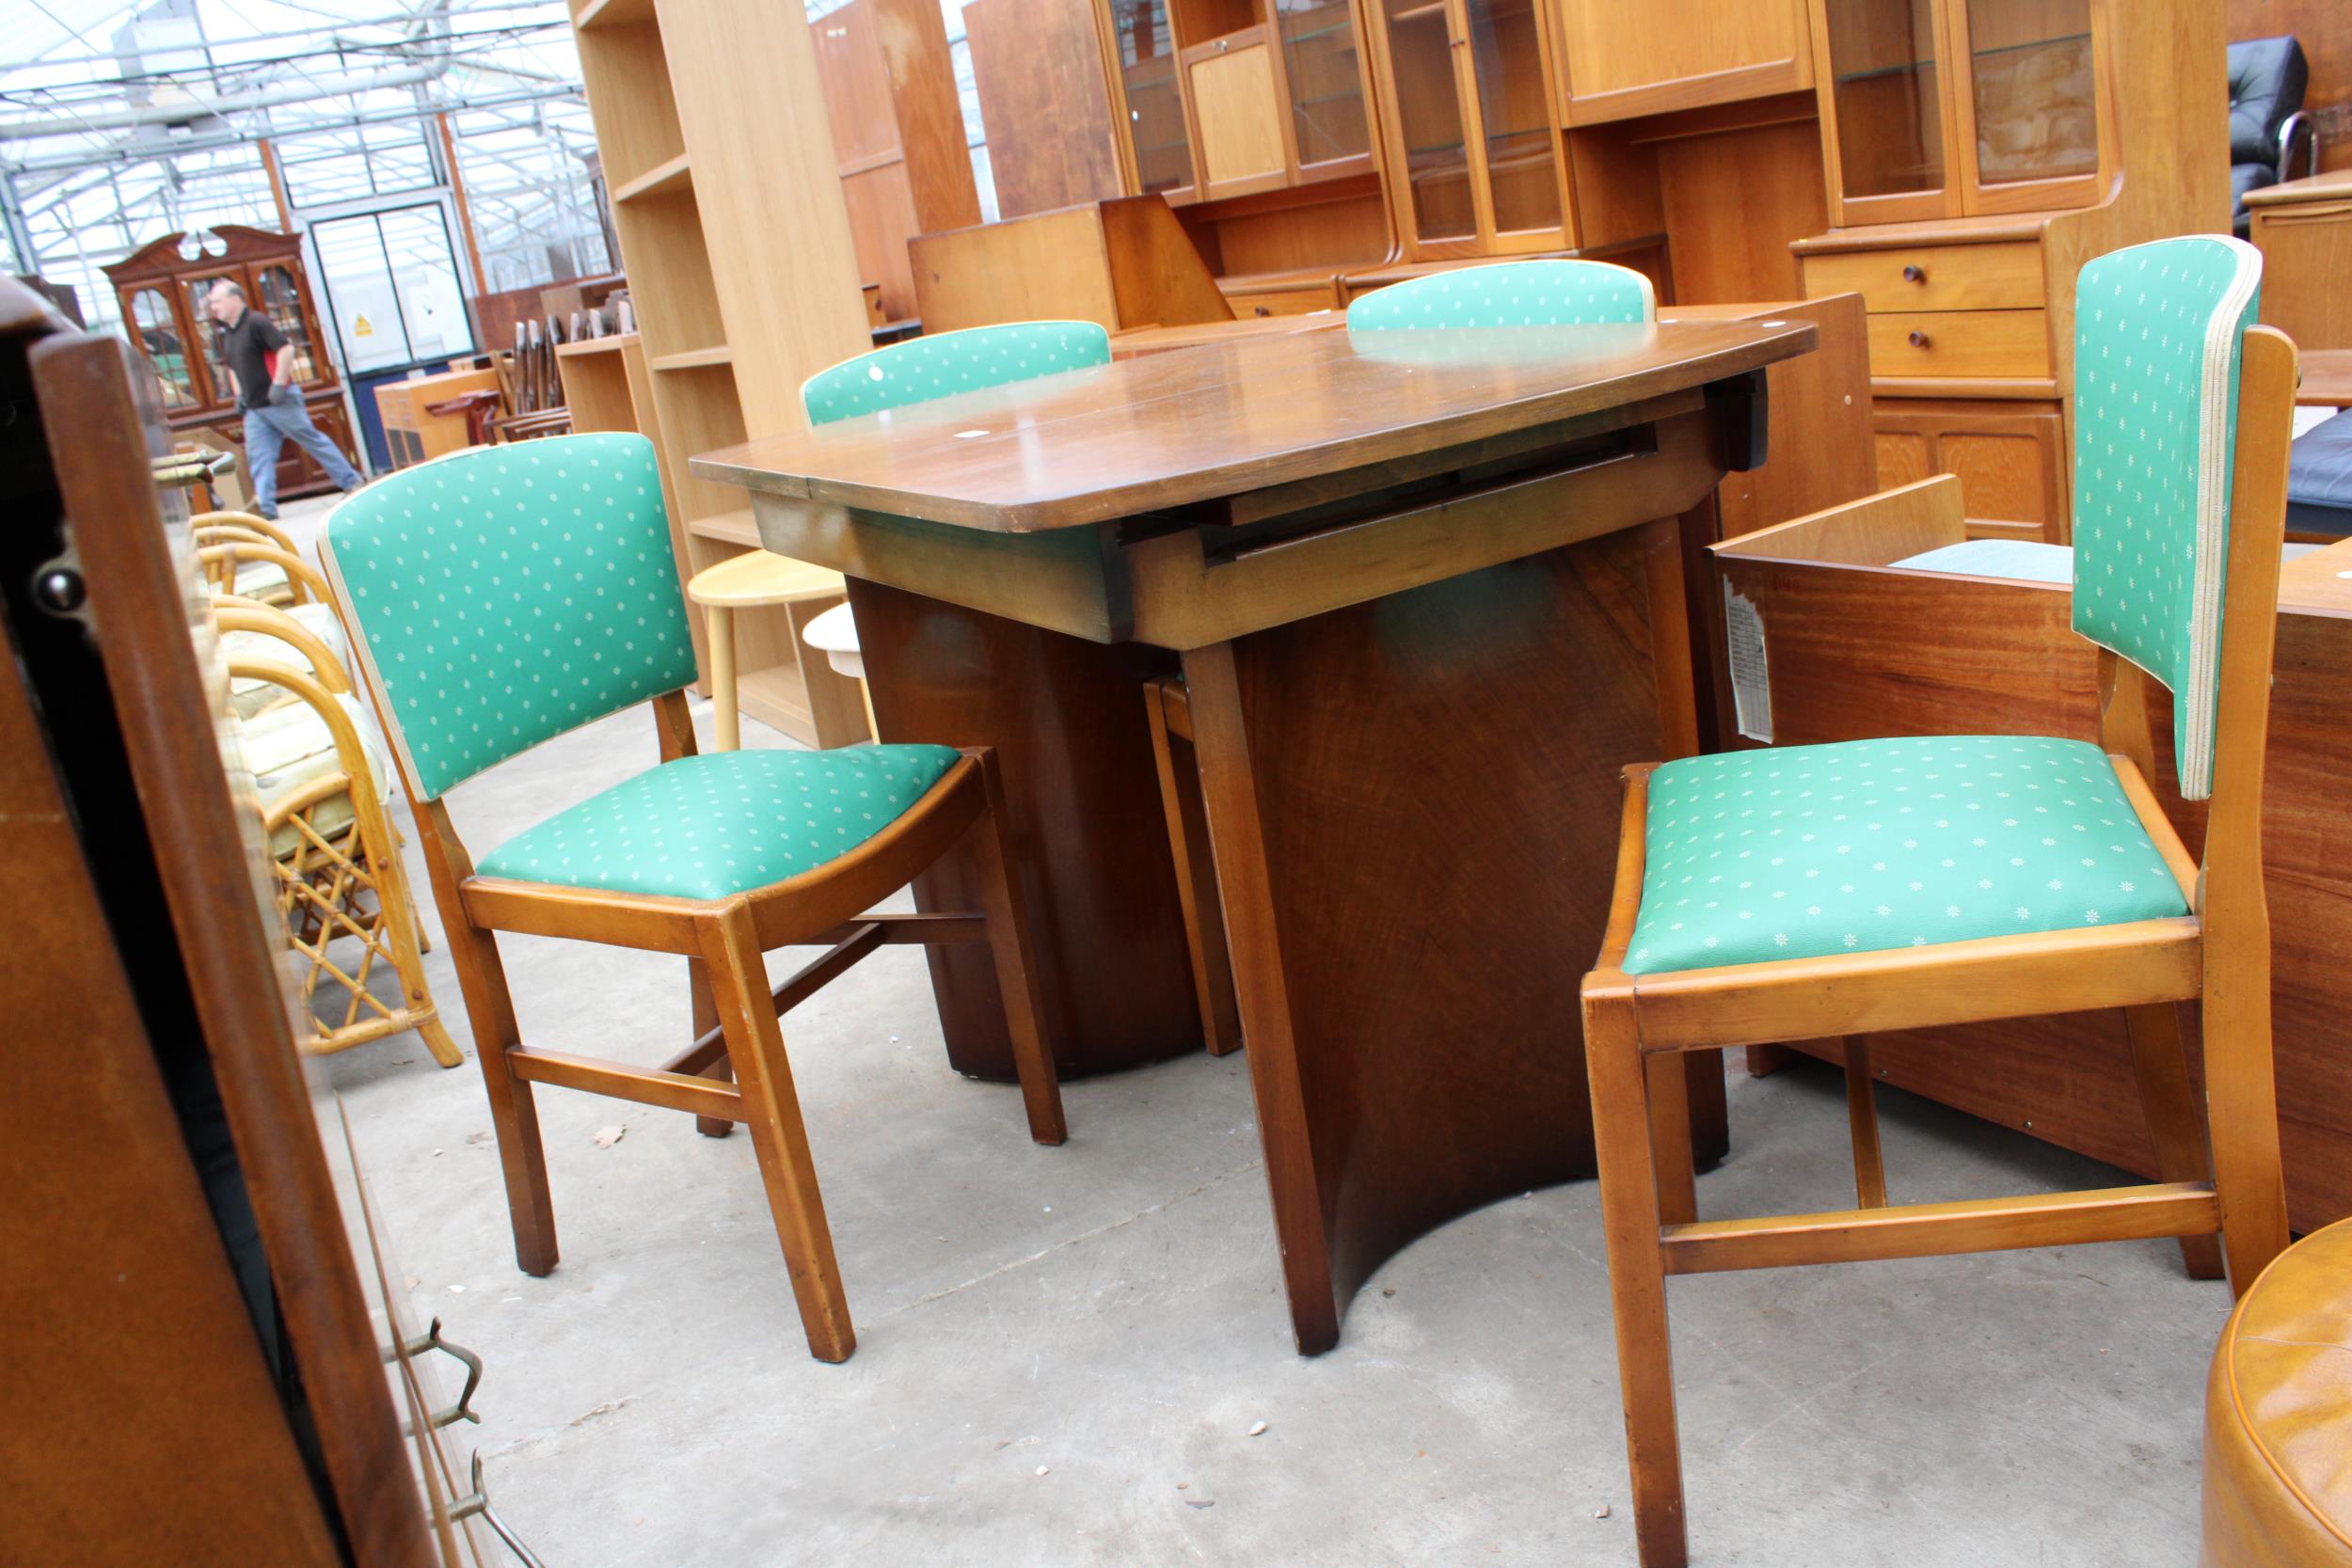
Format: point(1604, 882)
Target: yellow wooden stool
point(748, 581)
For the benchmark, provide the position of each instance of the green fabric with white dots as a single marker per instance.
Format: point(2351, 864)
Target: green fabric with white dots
point(1549, 292)
point(2160, 334)
point(951, 362)
point(508, 593)
point(707, 826)
point(1868, 845)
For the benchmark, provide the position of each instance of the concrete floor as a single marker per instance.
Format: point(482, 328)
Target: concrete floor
point(1062, 1352)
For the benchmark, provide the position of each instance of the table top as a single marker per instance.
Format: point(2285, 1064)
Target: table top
point(2334, 183)
point(2327, 378)
point(1196, 424)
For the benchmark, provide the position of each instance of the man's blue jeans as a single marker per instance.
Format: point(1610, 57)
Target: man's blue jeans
point(267, 432)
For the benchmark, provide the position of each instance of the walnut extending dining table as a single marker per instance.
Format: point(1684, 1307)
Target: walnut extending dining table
point(1427, 592)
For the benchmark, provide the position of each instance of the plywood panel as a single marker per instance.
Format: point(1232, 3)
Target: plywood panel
point(1046, 265)
point(1037, 67)
point(1234, 103)
point(1664, 55)
point(913, 40)
point(1732, 202)
point(882, 221)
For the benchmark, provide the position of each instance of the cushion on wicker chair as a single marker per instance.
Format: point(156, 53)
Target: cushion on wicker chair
point(250, 694)
point(289, 747)
point(1869, 845)
point(706, 827)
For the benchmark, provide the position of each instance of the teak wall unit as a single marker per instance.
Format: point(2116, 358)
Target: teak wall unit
point(714, 106)
point(1978, 152)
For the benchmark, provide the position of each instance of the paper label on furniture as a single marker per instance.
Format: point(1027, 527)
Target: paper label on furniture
point(1751, 677)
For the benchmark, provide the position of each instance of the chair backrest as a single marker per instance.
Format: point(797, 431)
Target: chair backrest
point(1553, 291)
point(922, 369)
point(502, 595)
point(2159, 342)
point(2267, 79)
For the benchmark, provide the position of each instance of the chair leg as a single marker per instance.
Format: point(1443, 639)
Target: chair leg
point(1016, 964)
point(706, 1018)
point(513, 1115)
point(1862, 1123)
point(1622, 1122)
point(2242, 1112)
point(726, 715)
point(2160, 1062)
point(754, 1035)
point(1670, 1137)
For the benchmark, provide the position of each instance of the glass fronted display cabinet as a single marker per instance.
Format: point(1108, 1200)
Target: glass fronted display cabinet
point(1473, 134)
point(1941, 109)
point(162, 289)
point(1232, 98)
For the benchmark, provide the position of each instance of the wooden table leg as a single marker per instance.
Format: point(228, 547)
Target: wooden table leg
point(1414, 806)
point(1067, 720)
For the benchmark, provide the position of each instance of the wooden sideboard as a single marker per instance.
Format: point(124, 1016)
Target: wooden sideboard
point(2303, 228)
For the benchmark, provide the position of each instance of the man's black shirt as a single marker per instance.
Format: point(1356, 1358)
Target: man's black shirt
point(245, 348)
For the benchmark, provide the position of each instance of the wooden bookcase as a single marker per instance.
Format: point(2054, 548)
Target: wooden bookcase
point(727, 203)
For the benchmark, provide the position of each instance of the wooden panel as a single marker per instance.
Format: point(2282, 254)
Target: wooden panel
point(1037, 67)
point(1903, 457)
point(2003, 477)
point(1240, 119)
point(2010, 457)
point(858, 110)
point(1157, 278)
point(1291, 300)
point(1049, 266)
point(1665, 54)
point(1346, 225)
point(1948, 277)
point(1733, 201)
point(627, 78)
point(2307, 254)
point(881, 220)
point(1960, 343)
point(914, 40)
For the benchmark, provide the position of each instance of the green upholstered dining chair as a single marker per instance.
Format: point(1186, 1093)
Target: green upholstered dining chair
point(922, 369)
point(503, 596)
point(1817, 892)
point(1547, 292)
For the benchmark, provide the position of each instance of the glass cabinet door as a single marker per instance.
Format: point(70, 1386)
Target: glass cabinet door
point(281, 300)
point(1888, 99)
point(1155, 111)
point(1327, 118)
point(2032, 94)
point(157, 332)
point(1429, 119)
point(224, 385)
point(1507, 57)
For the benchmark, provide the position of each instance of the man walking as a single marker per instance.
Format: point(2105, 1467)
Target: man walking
point(254, 351)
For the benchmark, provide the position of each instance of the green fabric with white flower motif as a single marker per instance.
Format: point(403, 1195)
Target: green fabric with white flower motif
point(706, 827)
point(505, 595)
point(2159, 331)
point(1549, 292)
point(951, 362)
point(1869, 845)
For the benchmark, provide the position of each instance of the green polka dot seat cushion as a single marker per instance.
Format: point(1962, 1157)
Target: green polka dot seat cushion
point(505, 595)
point(951, 362)
point(709, 827)
point(1549, 292)
point(1868, 845)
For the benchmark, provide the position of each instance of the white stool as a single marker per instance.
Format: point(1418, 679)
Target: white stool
point(834, 634)
point(752, 581)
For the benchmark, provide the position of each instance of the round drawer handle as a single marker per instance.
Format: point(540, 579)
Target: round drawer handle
point(1220, 46)
point(1919, 339)
point(1914, 273)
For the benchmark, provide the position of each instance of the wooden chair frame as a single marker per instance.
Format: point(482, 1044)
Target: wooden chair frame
point(219, 562)
point(736, 1068)
point(241, 524)
point(2218, 956)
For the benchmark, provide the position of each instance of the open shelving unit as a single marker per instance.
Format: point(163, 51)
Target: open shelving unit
point(728, 208)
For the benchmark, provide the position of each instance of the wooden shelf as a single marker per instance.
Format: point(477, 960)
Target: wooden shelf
point(660, 180)
point(611, 343)
point(612, 14)
point(730, 528)
point(693, 358)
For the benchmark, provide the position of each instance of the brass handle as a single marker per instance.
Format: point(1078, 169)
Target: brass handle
point(1914, 273)
point(1919, 339)
point(479, 1502)
point(431, 1339)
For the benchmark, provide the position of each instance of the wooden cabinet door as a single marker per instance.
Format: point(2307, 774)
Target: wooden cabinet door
point(1619, 60)
point(2010, 458)
point(1237, 115)
point(1887, 125)
point(2025, 104)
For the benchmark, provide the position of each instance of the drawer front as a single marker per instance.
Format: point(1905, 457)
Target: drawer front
point(1282, 302)
point(1961, 343)
point(2005, 276)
